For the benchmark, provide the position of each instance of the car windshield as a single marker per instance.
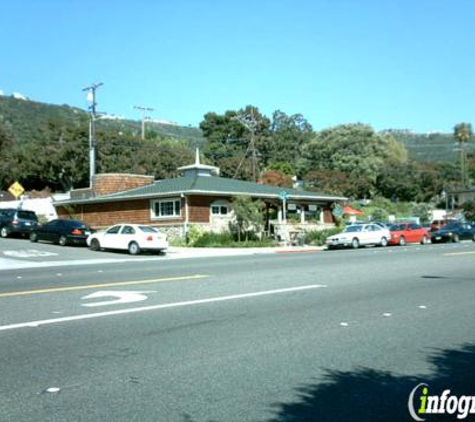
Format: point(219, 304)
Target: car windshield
point(352, 229)
point(148, 229)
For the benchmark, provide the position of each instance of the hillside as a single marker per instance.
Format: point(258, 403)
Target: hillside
point(24, 118)
point(431, 147)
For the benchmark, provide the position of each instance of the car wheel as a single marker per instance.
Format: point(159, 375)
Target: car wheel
point(402, 241)
point(455, 238)
point(384, 242)
point(473, 238)
point(4, 232)
point(33, 237)
point(134, 248)
point(63, 240)
point(95, 245)
point(355, 243)
point(425, 240)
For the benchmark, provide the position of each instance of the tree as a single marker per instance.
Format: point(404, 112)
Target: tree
point(287, 139)
point(249, 215)
point(469, 210)
point(463, 133)
point(230, 135)
point(355, 150)
point(276, 178)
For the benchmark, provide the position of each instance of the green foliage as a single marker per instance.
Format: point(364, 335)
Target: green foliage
point(379, 214)
point(431, 147)
point(318, 237)
point(249, 215)
point(227, 240)
point(469, 210)
point(47, 145)
point(356, 153)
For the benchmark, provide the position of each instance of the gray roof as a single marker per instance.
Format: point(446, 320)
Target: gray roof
point(205, 185)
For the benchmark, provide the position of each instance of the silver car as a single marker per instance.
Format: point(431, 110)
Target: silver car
point(359, 235)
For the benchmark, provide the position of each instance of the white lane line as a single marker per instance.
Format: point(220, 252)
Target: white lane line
point(156, 307)
point(387, 314)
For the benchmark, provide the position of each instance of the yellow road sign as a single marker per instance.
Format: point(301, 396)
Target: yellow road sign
point(16, 189)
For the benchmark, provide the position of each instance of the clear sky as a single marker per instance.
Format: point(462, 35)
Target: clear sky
point(402, 64)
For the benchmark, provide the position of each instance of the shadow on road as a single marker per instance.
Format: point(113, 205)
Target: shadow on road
point(370, 395)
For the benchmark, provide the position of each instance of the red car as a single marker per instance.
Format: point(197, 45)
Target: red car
point(402, 233)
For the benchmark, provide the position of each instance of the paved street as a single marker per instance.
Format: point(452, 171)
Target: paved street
point(328, 336)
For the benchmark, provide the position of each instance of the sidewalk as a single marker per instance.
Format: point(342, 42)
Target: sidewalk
point(183, 252)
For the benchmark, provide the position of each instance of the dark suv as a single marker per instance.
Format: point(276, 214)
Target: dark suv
point(16, 221)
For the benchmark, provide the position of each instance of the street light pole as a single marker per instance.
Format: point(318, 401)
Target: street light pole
point(91, 97)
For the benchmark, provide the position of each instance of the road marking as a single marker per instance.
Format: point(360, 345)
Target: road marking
point(100, 286)
point(157, 307)
point(121, 297)
point(460, 253)
point(29, 253)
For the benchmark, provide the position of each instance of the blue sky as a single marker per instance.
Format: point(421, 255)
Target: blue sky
point(402, 64)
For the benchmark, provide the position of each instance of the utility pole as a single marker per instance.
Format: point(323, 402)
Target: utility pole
point(91, 98)
point(250, 122)
point(144, 117)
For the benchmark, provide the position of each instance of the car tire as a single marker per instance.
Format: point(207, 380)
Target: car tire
point(134, 248)
point(425, 240)
point(455, 238)
point(33, 237)
point(384, 242)
point(95, 245)
point(63, 240)
point(355, 243)
point(473, 238)
point(4, 232)
point(402, 241)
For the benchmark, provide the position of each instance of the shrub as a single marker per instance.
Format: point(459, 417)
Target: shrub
point(318, 237)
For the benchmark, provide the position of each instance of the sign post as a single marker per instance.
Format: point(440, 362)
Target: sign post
point(284, 196)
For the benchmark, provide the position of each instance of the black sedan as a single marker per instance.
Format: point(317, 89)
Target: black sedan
point(63, 232)
point(454, 232)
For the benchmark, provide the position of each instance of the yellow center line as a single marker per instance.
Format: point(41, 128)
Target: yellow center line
point(100, 286)
point(459, 253)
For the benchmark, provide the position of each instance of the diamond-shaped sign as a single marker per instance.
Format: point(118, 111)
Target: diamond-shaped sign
point(16, 189)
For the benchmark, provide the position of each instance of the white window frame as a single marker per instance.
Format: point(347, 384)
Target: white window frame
point(153, 207)
point(221, 204)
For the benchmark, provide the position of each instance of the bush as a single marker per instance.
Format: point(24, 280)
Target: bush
point(227, 240)
point(318, 237)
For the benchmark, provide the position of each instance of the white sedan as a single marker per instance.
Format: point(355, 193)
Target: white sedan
point(128, 237)
point(360, 234)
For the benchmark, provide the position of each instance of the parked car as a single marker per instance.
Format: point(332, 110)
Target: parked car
point(438, 224)
point(403, 233)
point(63, 232)
point(454, 232)
point(129, 237)
point(16, 221)
point(359, 235)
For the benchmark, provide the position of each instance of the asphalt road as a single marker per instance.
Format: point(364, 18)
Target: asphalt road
point(327, 336)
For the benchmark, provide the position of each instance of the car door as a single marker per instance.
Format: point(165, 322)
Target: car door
point(466, 231)
point(127, 235)
point(46, 232)
point(110, 239)
point(413, 233)
point(367, 235)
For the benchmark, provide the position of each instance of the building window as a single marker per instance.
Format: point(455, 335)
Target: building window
point(219, 210)
point(166, 208)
